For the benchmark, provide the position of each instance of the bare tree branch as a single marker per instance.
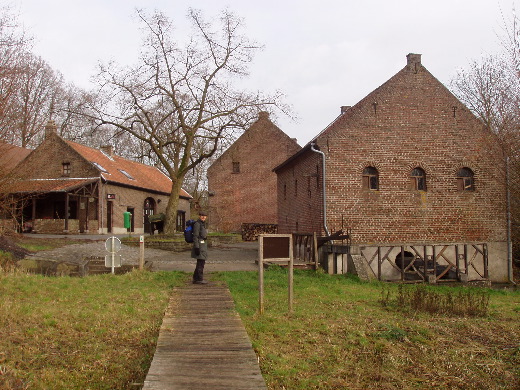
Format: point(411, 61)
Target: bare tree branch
point(182, 100)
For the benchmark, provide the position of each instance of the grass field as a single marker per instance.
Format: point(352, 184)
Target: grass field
point(99, 332)
point(341, 336)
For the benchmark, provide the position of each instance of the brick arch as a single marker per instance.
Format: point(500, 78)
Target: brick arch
point(416, 164)
point(368, 163)
point(465, 164)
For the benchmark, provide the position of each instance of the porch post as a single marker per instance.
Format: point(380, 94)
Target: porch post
point(33, 212)
point(66, 213)
point(33, 215)
point(87, 200)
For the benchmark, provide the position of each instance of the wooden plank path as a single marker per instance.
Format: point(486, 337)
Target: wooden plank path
point(203, 344)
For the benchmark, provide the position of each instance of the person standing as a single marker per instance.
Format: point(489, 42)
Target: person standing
point(200, 247)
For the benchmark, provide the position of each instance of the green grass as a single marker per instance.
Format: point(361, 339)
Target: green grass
point(97, 332)
point(341, 336)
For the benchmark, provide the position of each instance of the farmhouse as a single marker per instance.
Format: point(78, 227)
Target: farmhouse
point(414, 178)
point(63, 186)
point(241, 182)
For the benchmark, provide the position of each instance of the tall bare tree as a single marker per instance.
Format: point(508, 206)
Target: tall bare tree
point(13, 45)
point(182, 95)
point(490, 87)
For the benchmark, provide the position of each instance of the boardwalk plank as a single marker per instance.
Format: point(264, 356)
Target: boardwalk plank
point(203, 345)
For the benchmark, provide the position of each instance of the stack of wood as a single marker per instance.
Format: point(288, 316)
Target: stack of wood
point(251, 231)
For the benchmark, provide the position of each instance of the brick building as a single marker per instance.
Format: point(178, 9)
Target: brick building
point(413, 173)
point(241, 182)
point(64, 186)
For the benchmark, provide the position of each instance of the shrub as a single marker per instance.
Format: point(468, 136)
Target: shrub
point(460, 302)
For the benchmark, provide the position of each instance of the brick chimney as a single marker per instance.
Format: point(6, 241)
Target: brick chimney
point(50, 128)
point(413, 61)
point(263, 115)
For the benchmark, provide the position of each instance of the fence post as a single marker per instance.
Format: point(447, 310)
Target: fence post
point(261, 274)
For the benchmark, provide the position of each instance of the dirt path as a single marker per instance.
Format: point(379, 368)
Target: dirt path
point(232, 257)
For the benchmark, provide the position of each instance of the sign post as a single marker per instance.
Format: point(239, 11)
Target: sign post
point(141, 252)
point(113, 245)
point(275, 248)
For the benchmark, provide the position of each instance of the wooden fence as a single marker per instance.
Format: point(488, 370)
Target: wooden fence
point(305, 249)
point(430, 263)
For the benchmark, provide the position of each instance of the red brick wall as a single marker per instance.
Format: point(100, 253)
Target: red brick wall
point(300, 195)
point(250, 195)
point(410, 121)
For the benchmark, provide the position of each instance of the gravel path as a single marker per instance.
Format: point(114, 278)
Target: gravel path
point(232, 257)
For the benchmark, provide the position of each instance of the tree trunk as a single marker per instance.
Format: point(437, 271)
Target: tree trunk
point(171, 209)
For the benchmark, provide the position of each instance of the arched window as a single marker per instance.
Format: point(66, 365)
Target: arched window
point(370, 178)
point(465, 180)
point(418, 177)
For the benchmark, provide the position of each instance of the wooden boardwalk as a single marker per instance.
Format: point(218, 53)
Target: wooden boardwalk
point(203, 344)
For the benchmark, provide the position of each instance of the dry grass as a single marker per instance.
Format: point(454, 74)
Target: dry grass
point(340, 336)
point(97, 332)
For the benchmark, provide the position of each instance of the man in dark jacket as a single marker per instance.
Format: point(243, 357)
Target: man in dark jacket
point(200, 247)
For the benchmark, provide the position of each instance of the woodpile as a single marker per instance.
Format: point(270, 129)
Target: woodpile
point(251, 231)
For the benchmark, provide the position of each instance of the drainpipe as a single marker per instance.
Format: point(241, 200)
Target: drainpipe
point(323, 186)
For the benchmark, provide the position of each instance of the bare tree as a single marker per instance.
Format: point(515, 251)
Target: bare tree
point(13, 44)
point(182, 100)
point(490, 87)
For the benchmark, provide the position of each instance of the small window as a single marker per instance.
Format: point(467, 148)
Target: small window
point(295, 188)
point(371, 178)
point(284, 191)
point(126, 174)
point(418, 177)
point(465, 180)
point(236, 167)
point(65, 169)
point(309, 187)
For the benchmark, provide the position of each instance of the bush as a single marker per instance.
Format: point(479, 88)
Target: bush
point(460, 302)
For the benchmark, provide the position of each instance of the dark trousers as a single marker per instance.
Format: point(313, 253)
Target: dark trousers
point(198, 275)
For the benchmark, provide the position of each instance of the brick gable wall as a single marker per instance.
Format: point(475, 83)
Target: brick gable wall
point(248, 196)
point(46, 162)
point(410, 121)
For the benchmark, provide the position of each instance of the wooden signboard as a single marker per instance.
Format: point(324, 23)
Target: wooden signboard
point(275, 248)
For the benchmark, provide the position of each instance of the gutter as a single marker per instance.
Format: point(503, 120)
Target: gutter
point(323, 187)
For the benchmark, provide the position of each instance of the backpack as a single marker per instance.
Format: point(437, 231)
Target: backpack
point(188, 232)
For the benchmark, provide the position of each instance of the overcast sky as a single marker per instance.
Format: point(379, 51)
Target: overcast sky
point(322, 54)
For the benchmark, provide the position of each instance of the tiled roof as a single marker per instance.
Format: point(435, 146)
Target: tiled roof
point(113, 169)
point(46, 185)
point(10, 156)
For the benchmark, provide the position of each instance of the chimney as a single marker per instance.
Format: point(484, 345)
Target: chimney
point(344, 109)
point(108, 150)
point(263, 115)
point(413, 61)
point(50, 128)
